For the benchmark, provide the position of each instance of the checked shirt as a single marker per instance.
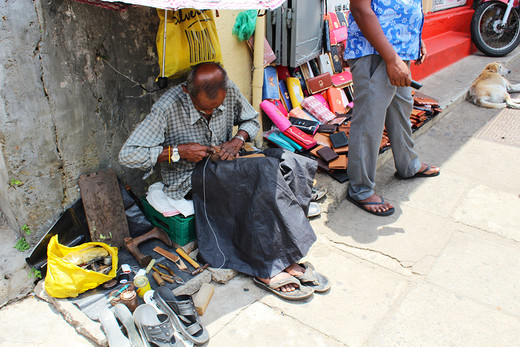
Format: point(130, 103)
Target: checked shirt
point(173, 120)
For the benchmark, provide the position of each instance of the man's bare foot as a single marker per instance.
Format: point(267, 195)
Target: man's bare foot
point(377, 208)
point(294, 270)
point(429, 170)
point(281, 276)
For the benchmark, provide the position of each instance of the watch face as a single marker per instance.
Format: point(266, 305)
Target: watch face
point(175, 154)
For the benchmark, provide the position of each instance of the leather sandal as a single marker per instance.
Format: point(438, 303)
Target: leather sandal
point(182, 313)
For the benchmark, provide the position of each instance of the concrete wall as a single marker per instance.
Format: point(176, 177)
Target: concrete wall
point(64, 111)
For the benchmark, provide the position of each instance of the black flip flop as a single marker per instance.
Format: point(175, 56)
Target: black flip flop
point(362, 205)
point(419, 174)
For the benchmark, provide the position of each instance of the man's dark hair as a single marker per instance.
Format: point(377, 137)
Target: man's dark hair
point(211, 87)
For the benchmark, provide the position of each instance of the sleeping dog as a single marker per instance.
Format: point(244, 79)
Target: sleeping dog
point(490, 89)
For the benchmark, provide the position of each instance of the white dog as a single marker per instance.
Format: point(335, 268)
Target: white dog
point(490, 89)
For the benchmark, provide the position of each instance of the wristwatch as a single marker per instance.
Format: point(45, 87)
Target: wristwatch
point(175, 157)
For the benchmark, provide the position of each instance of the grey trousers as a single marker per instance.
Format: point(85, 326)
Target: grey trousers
point(377, 104)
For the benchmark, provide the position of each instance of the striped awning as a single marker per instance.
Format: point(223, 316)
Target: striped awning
point(206, 4)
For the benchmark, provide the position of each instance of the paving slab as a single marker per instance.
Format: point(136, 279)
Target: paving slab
point(228, 301)
point(268, 327)
point(360, 296)
point(409, 235)
point(481, 269)
point(492, 210)
point(33, 322)
point(432, 316)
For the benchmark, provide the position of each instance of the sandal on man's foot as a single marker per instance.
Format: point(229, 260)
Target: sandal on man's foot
point(418, 174)
point(313, 279)
point(155, 328)
point(182, 311)
point(362, 206)
point(300, 293)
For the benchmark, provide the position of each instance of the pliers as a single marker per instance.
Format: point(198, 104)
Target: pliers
point(168, 278)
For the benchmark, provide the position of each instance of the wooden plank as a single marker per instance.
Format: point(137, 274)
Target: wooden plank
point(103, 203)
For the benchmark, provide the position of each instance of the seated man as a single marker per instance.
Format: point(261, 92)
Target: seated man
point(250, 213)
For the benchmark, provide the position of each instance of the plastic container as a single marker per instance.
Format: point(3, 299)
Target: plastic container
point(142, 285)
point(180, 229)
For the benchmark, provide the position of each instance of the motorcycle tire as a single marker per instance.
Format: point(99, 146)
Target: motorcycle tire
point(488, 36)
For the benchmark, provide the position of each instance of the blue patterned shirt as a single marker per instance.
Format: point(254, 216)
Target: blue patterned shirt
point(402, 23)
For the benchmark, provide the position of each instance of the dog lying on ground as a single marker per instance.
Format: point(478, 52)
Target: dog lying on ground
point(490, 89)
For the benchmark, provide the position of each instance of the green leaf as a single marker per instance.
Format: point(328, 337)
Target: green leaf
point(22, 245)
point(26, 230)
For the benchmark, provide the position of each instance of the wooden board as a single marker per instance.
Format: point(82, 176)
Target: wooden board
point(103, 203)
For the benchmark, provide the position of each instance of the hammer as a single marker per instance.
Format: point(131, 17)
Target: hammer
point(198, 268)
point(131, 244)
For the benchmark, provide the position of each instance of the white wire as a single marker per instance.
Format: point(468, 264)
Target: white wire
point(164, 41)
point(206, 213)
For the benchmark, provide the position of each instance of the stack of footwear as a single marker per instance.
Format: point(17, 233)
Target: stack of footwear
point(168, 320)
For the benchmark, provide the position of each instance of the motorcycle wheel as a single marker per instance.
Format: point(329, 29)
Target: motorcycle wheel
point(488, 35)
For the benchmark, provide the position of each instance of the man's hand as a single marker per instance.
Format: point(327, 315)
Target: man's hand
point(399, 73)
point(229, 150)
point(422, 55)
point(194, 152)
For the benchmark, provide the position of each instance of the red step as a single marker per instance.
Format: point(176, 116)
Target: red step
point(447, 37)
point(443, 50)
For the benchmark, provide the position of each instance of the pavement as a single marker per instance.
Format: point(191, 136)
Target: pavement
point(442, 271)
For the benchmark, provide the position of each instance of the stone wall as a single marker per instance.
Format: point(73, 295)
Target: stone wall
point(64, 110)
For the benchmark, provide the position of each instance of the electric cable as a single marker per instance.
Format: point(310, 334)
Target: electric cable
point(206, 212)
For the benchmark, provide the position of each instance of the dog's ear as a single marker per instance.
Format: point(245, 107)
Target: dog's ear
point(492, 67)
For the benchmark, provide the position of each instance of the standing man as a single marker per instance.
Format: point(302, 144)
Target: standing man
point(383, 37)
point(250, 213)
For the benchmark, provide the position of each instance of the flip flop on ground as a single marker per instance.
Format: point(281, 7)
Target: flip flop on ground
point(421, 173)
point(302, 292)
point(362, 205)
point(313, 279)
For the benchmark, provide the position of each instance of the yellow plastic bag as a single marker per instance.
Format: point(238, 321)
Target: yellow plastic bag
point(64, 279)
point(191, 38)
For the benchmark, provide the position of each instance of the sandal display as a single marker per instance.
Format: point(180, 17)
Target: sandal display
point(183, 314)
point(155, 328)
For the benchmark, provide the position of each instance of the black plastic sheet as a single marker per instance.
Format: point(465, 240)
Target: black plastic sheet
point(251, 213)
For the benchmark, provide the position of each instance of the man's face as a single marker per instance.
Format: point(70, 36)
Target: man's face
point(205, 105)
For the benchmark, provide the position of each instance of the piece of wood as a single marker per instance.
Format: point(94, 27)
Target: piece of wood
point(203, 297)
point(104, 209)
point(172, 257)
point(187, 257)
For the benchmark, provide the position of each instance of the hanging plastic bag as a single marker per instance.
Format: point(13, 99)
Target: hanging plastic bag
point(64, 278)
point(191, 38)
point(245, 25)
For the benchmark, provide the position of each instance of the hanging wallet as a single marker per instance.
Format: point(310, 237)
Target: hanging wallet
point(319, 83)
point(342, 79)
point(338, 35)
point(327, 154)
point(339, 139)
point(337, 59)
point(270, 87)
point(295, 91)
point(284, 95)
